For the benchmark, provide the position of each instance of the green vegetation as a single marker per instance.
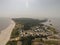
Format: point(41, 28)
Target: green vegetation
point(27, 40)
point(15, 32)
point(28, 22)
point(12, 43)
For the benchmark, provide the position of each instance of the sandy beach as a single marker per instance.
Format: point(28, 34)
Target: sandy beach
point(5, 34)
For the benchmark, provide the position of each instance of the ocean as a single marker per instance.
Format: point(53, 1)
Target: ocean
point(55, 22)
point(4, 23)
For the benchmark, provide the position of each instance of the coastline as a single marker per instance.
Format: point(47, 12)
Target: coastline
point(5, 34)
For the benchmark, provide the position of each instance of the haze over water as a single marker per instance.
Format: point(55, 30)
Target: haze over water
point(56, 23)
point(4, 23)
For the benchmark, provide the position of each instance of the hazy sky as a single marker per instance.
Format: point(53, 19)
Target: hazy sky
point(29, 8)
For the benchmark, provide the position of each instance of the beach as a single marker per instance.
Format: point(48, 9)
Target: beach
point(5, 34)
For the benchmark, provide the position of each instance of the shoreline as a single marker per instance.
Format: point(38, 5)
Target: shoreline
point(5, 34)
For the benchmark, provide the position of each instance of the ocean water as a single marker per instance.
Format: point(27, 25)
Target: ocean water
point(55, 22)
point(4, 23)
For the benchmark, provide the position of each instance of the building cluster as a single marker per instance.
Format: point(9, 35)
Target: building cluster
point(36, 31)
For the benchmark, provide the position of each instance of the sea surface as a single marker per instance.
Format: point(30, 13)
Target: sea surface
point(55, 22)
point(4, 23)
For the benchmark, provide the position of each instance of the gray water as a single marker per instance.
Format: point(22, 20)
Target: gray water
point(4, 23)
point(55, 22)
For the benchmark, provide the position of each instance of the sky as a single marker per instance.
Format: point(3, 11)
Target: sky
point(30, 8)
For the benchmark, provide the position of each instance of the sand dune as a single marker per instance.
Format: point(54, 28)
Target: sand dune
point(5, 34)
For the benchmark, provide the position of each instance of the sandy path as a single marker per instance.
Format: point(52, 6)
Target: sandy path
point(5, 34)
